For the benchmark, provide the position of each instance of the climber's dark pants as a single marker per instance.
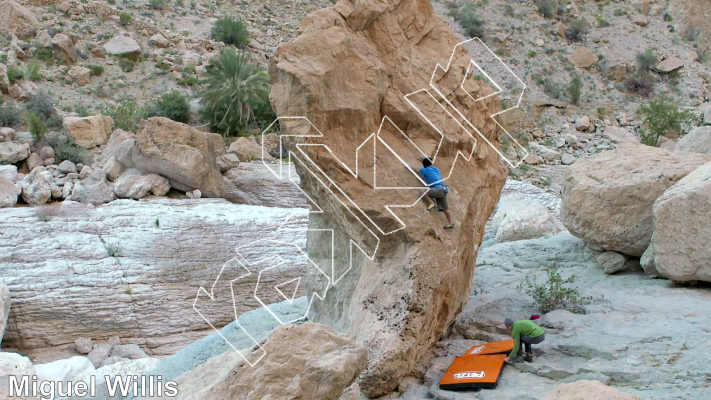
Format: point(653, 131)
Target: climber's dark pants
point(528, 341)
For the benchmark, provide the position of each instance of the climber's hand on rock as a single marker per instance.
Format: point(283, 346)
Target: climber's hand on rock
point(507, 359)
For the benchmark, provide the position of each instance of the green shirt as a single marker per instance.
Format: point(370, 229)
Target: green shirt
point(521, 328)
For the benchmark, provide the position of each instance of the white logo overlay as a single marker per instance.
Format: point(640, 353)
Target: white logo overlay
point(477, 350)
point(247, 261)
point(470, 375)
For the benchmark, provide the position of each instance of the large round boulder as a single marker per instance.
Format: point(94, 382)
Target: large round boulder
point(698, 140)
point(682, 228)
point(519, 218)
point(89, 131)
point(608, 197)
point(17, 20)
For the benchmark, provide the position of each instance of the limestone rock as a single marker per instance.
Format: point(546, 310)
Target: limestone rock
point(122, 46)
point(89, 131)
point(582, 123)
point(608, 197)
point(79, 75)
point(67, 167)
point(258, 186)
point(340, 359)
point(117, 137)
point(99, 353)
point(67, 370)
point(227, 162)
point(585, 390)
point(647, 261)
point(4, 81)
point(113, 169)
point(84, 345)
point(4, 308)
point(8, 194)
point(111, 361)
point(583, 58)
point(34, 161)
point(81, 280)
point(43, 40)
point(114, 341)
point(64, 49)
point(22, 90)
point(567, 159)
point(706, 116)
point(93, 190)
point(698, 140)
point(130, 351)
point(17, 20)
point(136, 186)
point(35, 187)
point(46, 152)
point(248, 150)
point(8, 172)
point(640, 20)
point(158, 41)
point(669, 64)
point(400, 302)
point(619, 135)
point(519, 218)
point(611, 262)
point(13, 364)
point(682, 230)
point(180, 153)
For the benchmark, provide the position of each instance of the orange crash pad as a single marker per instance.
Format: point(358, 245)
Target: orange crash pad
point(502, 347)
point(473, 372)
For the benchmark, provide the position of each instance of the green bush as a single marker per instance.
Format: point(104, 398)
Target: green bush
point(641, 83)
point(235, 87)
point(36, 126)
point(577, 29)
point(601, 22)
point(72, 152)
point(125, 18)
point(42, 104)
point(230, 31)
point(646, 60)
point(509, 11)
point(662, 115)
point(469, 20)
point(45, 54)
point(546, 7)
point(33, 71)
point(126, 64)
point(173, 105)
point(156, 4)
point(554, 292)
point(10, 114)
point(575, 89)
point(187, 81)
point(95, 70)
point(14, 74)
point(126, 115)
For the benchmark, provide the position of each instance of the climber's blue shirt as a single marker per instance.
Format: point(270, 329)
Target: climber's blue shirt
point(432, 176)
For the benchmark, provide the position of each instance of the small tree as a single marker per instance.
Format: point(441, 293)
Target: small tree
point(662, 115)
point(125, 18)
point(645, 60)
point(235, 87)
point(577, 29)
point(546, 8)
point(469, 20)
point(554, 292)
point(575, 89)
point(230, 31)
point(126, 115)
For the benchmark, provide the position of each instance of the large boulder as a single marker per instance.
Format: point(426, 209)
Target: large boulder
point(17, 20)
point(8, 172)
point(247, 150)
point(13, 364)
point(117, 137)
point(682, 231)
point(64, 49)
point(135, 185)
point(698, 140)
point(4, 308)
point(259, 186)
point(587, 390)
point(608, 197)
point(8, 193)
point(93, 190)
point(309, 361)
point(12, 152)
point(67, 370)
point(583, 58)
point(351, 66)
point(89, 131)
point(122, 46)
point(36, 186)
point(180, 153)
point(518, 218)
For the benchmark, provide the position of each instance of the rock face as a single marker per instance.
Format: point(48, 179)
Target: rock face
point(178, 152)
point(8, 193)
point(681, 228)
point(11, 152)
point(584, 390)
point(64, 49)
point(698, 140)
point(17, 20)
point(89, 131)
point(119, 267)
point(519, 218)
point(608, 197)
point(401, 301)
point(4, 308)
point(296, 371)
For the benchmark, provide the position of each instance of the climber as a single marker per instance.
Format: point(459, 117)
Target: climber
point(437, 191)
point(525, 331)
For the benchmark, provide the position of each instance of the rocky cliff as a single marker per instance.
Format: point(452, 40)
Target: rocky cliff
point(350, 68)
point(129, 268)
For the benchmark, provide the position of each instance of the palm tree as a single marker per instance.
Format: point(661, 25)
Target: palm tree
point(235, 87)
